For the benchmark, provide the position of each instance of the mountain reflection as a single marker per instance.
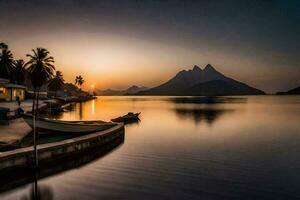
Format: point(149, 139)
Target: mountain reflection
point(209, 115)
point(189, 107)
point(207, 100)
point(21, 177)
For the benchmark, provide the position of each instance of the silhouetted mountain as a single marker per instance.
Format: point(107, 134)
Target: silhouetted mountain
point(134, 89)
point(109, 92)
point(221, 87)
point(290, 92)
point(131, 90)
point(202, 82)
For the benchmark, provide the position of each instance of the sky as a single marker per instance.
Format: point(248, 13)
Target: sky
point(116, 44)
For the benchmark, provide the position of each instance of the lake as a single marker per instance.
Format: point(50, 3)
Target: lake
point(186, 148)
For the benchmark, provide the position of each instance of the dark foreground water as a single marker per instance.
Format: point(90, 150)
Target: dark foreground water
point(184, 148)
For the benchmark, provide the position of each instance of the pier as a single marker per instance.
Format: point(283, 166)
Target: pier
point(14, 132)
point(24, 157)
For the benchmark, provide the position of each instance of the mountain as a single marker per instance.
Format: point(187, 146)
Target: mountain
point(290, 92)
point(221, 87)
point(131, 90)
point(202, 82)
point(134, 89)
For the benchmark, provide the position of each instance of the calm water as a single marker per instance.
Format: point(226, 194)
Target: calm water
point(187, 148)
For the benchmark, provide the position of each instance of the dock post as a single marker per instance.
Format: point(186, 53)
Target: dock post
point(34, 144)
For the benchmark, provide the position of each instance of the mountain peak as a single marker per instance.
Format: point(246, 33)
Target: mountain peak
point(209, 67)
point(133, 87)
point(201, 82)
point(196, 68)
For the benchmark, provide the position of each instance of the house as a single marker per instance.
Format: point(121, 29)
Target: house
point(10, 91)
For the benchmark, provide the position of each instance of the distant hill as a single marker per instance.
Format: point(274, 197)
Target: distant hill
point(290, 92)
point(131, 90)
point(202, 82)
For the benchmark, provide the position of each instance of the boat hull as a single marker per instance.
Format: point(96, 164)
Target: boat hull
point(77, 127)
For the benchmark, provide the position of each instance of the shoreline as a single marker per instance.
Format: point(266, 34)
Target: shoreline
point(17, 129)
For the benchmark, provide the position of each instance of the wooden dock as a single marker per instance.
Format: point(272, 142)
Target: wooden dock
point(24, 157)
point(14, 132)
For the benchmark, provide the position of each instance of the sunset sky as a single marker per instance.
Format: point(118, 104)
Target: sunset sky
point(115, 44)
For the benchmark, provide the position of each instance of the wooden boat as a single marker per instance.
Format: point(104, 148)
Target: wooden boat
point(67, 107)
point(127, 118)
point(74, 127)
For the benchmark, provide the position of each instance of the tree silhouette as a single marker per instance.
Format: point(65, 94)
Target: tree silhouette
point(6, 63)
point(40, 68)
point(19, 71)
point(56, 83)
point(79, 81)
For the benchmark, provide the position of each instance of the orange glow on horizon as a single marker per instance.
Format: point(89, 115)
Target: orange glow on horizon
point(111, 61)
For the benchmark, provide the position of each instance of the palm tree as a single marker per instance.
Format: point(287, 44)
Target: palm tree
point(40, 68)
point(6, 63)
point(19, 72)
point(79, 81)
point(56, 83)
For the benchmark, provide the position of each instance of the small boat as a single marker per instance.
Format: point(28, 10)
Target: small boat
point(127, 118)
point(75, 127)
point(68, 99)
point(4, 116)
point(52, 110)
point(67, 107)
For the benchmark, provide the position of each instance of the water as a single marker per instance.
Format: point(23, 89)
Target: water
point(185, 148)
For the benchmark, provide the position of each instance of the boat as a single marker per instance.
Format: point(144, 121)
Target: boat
point(127, 118)
point(45, 125)
point(4, 116)
point(67, 107)
point(68, 99)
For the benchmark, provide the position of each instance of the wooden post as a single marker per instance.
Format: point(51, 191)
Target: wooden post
point(35, 132)
point(34, 143)
point(11, 93)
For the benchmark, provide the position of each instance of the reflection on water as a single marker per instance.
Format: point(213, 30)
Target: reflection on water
point(209, 115)
point(80, 111)
point(39, 192)
point(208, 100)
point(52, 115)
point(244, 148)
point(93, 106)
point(203, 109)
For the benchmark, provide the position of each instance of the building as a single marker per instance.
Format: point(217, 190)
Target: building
point(10, 91)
